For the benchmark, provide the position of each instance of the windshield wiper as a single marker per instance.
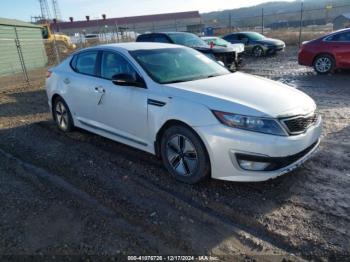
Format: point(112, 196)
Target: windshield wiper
point(191, 79)
point(210, 76)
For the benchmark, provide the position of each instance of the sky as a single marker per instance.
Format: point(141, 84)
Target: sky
point(24, 9)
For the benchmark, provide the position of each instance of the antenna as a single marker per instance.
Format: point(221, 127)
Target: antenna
point(45, 11)
point(56, 10)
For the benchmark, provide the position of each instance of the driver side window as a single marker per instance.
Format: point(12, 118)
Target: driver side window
point(113, 64)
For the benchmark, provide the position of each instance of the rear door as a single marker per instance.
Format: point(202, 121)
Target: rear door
point(83, 86)
point(341, 47)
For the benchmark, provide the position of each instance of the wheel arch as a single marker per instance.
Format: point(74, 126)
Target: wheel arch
point(53, 98)
point(173, 122)
point(168, 124)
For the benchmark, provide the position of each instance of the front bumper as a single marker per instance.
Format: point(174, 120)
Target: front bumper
point(273, 49)
point(225, 143)
point(232, 60)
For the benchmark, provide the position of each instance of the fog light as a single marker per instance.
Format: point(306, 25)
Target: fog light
point(253, 166)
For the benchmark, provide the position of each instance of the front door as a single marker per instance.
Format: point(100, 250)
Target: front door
point(122, 109)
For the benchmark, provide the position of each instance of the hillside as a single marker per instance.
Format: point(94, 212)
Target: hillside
point(277, 12)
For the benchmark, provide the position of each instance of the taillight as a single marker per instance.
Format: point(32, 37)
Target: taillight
point(48, 74)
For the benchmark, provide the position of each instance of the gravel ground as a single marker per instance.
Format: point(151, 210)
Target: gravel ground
point(81, 194)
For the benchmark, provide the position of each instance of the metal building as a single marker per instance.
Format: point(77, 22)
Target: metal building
point(183, 21)
point(19, 42)
point(341, 21)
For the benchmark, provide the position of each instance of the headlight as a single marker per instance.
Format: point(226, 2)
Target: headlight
point(255, 124)
point(269, 45)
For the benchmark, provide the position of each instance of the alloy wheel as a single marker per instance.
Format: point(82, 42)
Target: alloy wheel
point(323, 64)
point(182, 155)
point(258, 51)
point(61, 115)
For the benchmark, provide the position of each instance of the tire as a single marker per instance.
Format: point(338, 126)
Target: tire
point(324, 64)
point(62, 115)
point(258, 51)
point(184, 155)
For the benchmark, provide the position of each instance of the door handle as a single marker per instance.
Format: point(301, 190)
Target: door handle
point(66, 81)
point(100, 89)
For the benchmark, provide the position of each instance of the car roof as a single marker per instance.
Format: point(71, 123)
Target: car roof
point(244, 32)
point(340, 30)
point(209, 37)
point(166, 33)
point(133, 46)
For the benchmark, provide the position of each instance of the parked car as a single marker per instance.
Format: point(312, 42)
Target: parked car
point(255, 43)
point(217, 41)
point(327, 53)
point(197, 116)
point(229, 56)
point(92, 39)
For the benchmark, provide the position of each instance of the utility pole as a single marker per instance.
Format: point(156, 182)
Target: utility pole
point(301, 20)
point(45, 11)
point(262, 21)
point(56, 10)
point(230, 21)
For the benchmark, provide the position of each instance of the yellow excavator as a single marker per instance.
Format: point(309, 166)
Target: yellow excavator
point(63, 42)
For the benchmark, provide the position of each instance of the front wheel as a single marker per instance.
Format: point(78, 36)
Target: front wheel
point(324, 64)
point(184, 155)
point(258, 51)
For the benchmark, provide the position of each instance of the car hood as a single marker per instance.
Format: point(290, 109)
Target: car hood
point(238, 48)
point(270, 41)
point(219, 49)
point(244, 94)
point(202, 49)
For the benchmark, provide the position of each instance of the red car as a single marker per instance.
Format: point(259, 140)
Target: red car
point(327, 53)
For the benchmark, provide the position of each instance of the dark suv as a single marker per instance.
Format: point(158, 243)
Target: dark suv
point(256, 43)
point(226, 55)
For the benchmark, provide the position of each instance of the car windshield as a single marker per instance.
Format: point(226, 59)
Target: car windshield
point(187, 39)
point(255, 36)
point(173, 65)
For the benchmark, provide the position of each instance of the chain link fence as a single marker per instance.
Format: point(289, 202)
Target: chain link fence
point(25, 60)
point(293, 27)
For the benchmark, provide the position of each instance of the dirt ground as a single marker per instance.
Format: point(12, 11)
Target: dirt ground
point(81, 194)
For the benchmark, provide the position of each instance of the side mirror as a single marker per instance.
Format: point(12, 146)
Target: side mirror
point(128, 80)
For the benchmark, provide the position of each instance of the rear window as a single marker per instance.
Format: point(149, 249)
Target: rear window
point(144, 38)
point(85, 63)
point(340, 37)
point(158, 38)
point(230, 37)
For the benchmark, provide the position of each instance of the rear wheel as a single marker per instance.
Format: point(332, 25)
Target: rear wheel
point(324, 64)
point(62, 115)
point(184, 155)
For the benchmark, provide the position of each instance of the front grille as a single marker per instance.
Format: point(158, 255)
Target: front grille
point(299, 124)
point(227, 58)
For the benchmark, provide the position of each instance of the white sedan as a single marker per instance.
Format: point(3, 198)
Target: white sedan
point(180, 105)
